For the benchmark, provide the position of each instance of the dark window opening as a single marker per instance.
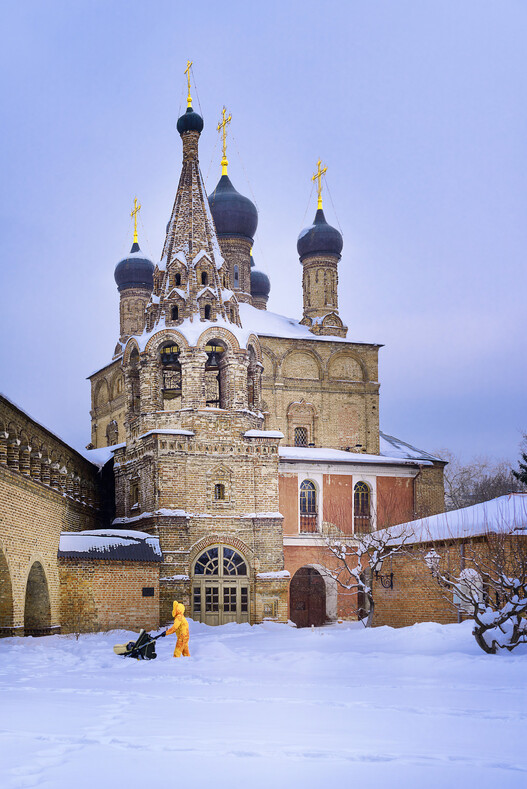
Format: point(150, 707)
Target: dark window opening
point(207, 312)
point(219, 492)
point(236, 277)
point(204, 278)
point(174, 313)
point(178, 280)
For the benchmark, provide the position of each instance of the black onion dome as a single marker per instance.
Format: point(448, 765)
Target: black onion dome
point(233, 214)
point(260, 284)
point(190, 121)
point(135, 271)
point(319, 238)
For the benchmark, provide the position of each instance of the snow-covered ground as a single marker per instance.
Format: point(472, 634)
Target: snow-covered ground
point(265, 706)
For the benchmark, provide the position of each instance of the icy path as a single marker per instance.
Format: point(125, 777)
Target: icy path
point(267, 706)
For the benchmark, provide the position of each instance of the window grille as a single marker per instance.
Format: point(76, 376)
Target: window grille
point(361, 502)
point(308, 507)
point(301, 437)
point(219, 492)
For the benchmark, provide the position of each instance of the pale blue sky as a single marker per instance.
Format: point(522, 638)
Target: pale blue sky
point(419, 110)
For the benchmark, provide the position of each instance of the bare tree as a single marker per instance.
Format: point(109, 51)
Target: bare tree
point(479, 480)
point(493, 589)
point(356, 559)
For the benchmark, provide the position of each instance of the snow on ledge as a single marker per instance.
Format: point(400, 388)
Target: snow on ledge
point(109, 543)
point(167, 432)
point(143, 515)
point(276, 574)
point(263, 434)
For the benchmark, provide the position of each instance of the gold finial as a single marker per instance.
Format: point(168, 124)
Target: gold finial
point(222, 125)
point(134, 213)
point(318, 177)
point(187, 72)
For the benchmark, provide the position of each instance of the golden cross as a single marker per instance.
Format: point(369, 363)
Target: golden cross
point(187, 72)
point(222, 125)
point(318, 177)
point(134, 213)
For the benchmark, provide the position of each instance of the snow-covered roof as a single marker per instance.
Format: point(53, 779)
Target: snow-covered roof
point(506, 514)
point(395, 448)
point(99, 457)
point(326, 455)
point(270, 324)
point(110, 544)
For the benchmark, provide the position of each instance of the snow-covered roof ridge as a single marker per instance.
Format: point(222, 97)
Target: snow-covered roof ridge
point(329, 455)
point(84, 453)
point(270, 324)
point(394, 447)
point(505, 514)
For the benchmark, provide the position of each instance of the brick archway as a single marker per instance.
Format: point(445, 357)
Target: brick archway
point(37, 609)
point(6, 598)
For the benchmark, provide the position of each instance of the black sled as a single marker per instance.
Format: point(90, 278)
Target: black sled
point(144, 648)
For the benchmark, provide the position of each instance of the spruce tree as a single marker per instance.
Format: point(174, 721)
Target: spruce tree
point(521, 475)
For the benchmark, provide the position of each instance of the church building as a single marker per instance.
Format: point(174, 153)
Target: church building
point(239, 435)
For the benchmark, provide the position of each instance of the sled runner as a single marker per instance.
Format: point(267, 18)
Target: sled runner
point(144, 648)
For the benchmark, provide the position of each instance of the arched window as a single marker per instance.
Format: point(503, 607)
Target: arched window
point(207, 312)
point(134, 381)
point(236, 277)
point(361, 506)
point(301, 437)
point(219, 491)
point(174, 313)
point(308, 507)
point(204, 278)
point(178, 280)
point(220, 561)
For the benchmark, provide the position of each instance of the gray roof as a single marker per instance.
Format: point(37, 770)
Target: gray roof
point(111, 545)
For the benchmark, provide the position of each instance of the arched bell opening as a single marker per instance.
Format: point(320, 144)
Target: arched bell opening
point(307, 598)
point(37, 609)
point(214, 375)
point(171, 376)
point(6, 598)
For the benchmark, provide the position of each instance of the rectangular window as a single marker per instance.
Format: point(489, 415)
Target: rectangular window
point(148, 591)
point(196, 600)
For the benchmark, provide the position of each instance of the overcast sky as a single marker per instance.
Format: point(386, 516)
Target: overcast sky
point(419, 111)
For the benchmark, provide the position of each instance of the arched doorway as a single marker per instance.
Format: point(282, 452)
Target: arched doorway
point(220, 586)
point(37, 610)
point(307, 598)
point(6, 598)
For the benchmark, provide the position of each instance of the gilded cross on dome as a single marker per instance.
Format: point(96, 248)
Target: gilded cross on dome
point(318, 177)
point(133, 214)
point(222, 126)
point(187, 72)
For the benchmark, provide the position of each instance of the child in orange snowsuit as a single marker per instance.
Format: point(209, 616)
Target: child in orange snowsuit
point(180, 627)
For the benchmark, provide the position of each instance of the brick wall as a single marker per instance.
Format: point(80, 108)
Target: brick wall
point(108, 595)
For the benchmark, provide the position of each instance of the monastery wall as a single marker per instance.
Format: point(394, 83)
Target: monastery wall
point(45, 488)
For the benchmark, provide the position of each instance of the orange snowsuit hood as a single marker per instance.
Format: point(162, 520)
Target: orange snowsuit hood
point(178, 608)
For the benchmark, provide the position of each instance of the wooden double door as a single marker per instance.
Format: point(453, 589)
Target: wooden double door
point(307, 598)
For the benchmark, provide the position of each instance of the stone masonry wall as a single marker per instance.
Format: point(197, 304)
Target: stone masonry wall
point(335, 381)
